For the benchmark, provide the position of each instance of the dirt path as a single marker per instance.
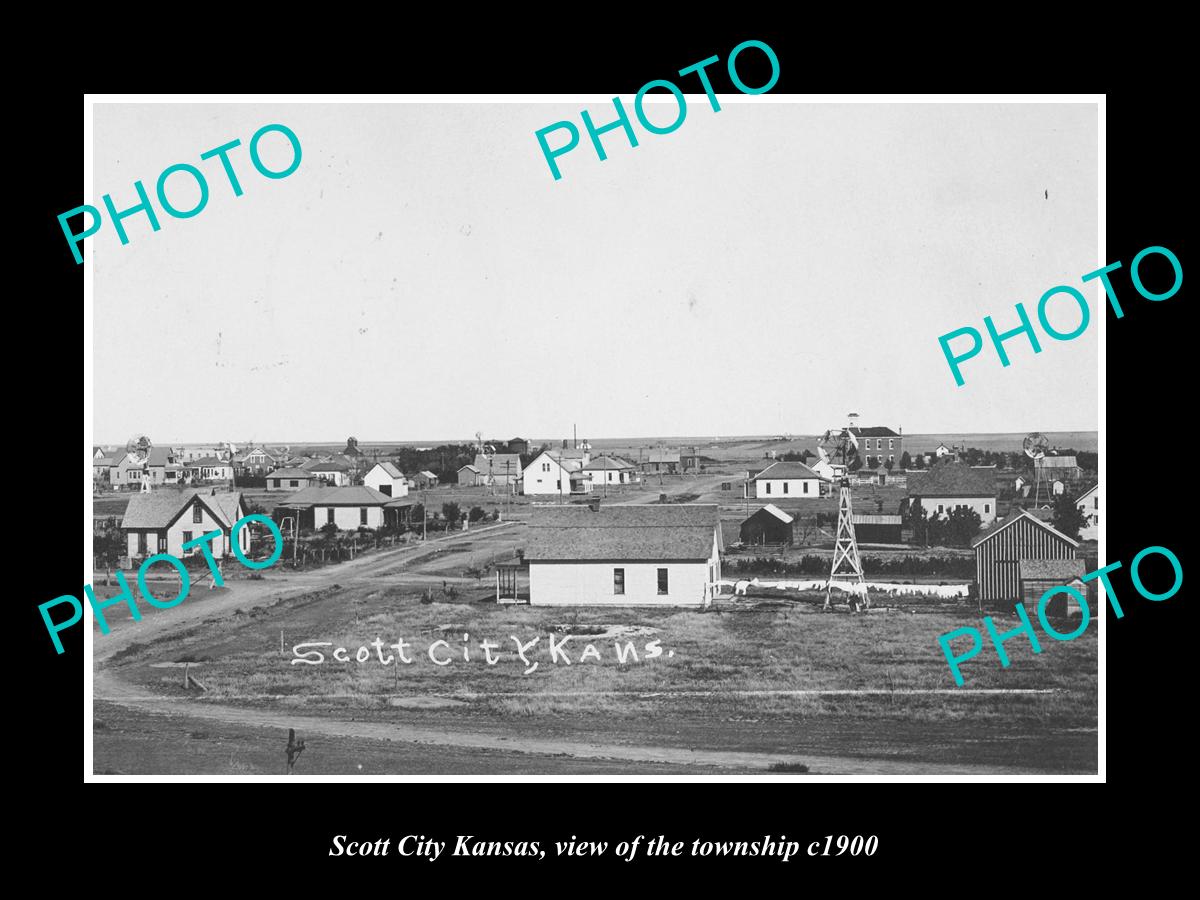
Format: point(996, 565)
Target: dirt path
point(115, 691)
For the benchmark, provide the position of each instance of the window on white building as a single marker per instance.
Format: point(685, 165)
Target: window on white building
point(329, 515)
point(618, 581)
point(768, 487)
point(785, 487)
point(987, 507)
point(662, 581)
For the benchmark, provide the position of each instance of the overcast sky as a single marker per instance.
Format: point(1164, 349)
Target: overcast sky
point(764, 269)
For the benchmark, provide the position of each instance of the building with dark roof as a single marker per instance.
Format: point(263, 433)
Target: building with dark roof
point(784, 480)
point(877, 445)
point(645, 555)
point(162, 521)
point(349, 508)
point(289, 480)
point(769, 525)
point(951, 485)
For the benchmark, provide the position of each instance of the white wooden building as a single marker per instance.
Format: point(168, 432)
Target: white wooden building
point(1089, 504)
point(163, 521)
point(951, 485)
point(668, 555)
point(387, 479)
point(550, 473)
point(784, 480)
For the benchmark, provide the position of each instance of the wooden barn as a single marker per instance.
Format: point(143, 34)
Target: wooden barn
point(770, 525)
point(878, 528)
point(1002, 551)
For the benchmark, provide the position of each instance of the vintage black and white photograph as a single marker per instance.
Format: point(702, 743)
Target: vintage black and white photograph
point(477, 438)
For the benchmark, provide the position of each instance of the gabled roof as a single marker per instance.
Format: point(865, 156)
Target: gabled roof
point(1055, 462)
point(873, 431)
point(780, 470)
point(502, 463)
point(1015, 516)
point(359, 495)
point(389, 469)
point(159, 509)
point(160, 456)
point(428, 474)
point(1088, 492)
point(633, 543)
point(773, 510)
point(607, 462)
point(470, 467)
point(877, 519)
point(328, 466)
point(1064, 570)
point(289, 473)
point(207, 461)
point(951, 479)
point(662, 456)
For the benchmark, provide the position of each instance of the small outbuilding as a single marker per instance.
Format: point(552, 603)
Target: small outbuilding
point(769, 525)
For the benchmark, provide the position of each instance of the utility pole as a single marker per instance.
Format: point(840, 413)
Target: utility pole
point(424, 516)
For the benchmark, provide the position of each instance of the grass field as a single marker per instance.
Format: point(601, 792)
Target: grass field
point(725, 681)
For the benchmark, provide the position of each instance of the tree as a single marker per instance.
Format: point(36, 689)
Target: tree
point(919, 462)
point(890, 464)
point(451, 513)
point(905, 460)
point(1067, 517)
point(476, 513)
point(962, 525)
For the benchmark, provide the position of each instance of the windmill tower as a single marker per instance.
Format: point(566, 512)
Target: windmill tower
point(1035, 446)
point(847, 565)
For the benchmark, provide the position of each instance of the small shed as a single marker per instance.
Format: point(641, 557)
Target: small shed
point(878, 528)
point(770, 525)
point(469, 476)
point(1040, 575)
point(1020, 539)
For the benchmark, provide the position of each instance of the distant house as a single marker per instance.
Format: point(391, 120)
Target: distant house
point(641, 555)
point(289, 480)
point(256, 461)
point(386, 478)
point(1001, 551)
point(127, 469)
point(942, 450)
point(209, 468)
point(1088, 503)
point(1056, 468)
point(469, 476)
point(424, 480)
point(769, 525)
point(827, 470)
point(609, 470)
point(346, 507)
point(551, 472)
point(950, 485)
point(332, 473)
point(877, 528)
point(660, 460)
point(162, 467)
point(877, 445)
point(503, 469)
point(784, 480)
point(518, 445)
point(163, 521)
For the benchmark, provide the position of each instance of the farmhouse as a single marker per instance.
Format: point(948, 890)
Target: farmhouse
point(661, 460)
point(387, 479)
point(551, 472)
point(609, 470)
point(1089, 504)
point(769, 525)
point(209, 468)
point(877, 528)
point(950, 485)
point(624, 555)
point(784, 479)
point(346, 507)
point(877, 445)
point(288, 480)
point(1002, 551)
point(256, 461)
point(424, 479)
point(330, 472)
point(163, 521)
point(502, 469)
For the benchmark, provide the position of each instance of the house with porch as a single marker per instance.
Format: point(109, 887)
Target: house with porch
point(163, 521)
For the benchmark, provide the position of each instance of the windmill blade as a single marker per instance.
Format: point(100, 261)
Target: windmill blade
point(853, 439)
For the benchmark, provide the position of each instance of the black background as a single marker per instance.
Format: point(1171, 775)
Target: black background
point(976, 830)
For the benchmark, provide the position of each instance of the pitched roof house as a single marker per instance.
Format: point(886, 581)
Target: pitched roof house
point(163, 521)
point(624, 555)
point(950, 485)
